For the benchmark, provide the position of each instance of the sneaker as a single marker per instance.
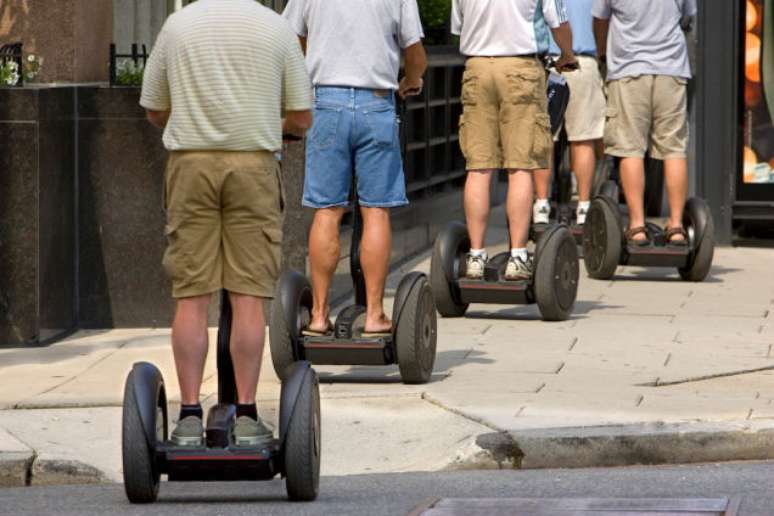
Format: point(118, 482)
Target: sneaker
point(474, 268)
point(249, 432)
point(541, 213)
point(188, 432)
point(517, 269)
point(580, 216)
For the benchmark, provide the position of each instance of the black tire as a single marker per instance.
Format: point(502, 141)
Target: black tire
point(602, 236)
point(290, 313)
point(141, 475)
point(302, 443)
point(698, 222)
point(416, 335)
point(449, 247)
point(556, 275)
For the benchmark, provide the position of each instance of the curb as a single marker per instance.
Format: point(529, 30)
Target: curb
point(611, 446)
point(15, 461)
point(52, 472)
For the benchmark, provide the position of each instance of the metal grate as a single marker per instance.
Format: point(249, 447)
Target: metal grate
point(13, 52)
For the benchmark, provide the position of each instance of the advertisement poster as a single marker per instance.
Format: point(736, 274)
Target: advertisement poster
point(759, 93)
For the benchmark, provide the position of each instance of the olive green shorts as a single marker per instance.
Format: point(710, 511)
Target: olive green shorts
point(224, 222)
point(647, 113)
point(505, 121)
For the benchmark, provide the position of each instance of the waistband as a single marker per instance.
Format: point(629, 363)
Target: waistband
point(523, 56)
point(352, 90)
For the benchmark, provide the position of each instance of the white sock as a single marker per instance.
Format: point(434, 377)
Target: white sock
point(479, 253)
point(584, 205)
point(542, 203)
point(520, 253)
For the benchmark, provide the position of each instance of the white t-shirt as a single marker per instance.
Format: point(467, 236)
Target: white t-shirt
point(505, 27)
point(226, 69)
point(355, 43)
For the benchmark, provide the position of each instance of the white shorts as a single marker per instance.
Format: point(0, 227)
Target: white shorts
point(585, 116)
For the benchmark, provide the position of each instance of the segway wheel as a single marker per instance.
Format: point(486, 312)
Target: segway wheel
point(448, 251)
point(556, 274)
point(141, 474)
point(302, 444)
point(698, 223)
point(416, 334)
point(291, 312)
point(602, 239)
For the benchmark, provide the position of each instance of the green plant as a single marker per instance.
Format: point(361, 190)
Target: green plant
point(129, 73)
point(9, 73)
point(435, 17)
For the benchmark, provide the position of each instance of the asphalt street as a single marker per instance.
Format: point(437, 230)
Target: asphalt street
point(397, 494)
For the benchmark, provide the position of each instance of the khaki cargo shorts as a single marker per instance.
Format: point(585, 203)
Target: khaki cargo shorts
point(505, 120)
point(584, 119)
point(647, 112)
point(224, 222)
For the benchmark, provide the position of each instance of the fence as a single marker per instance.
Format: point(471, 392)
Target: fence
point(136, 57)
point(13, 52)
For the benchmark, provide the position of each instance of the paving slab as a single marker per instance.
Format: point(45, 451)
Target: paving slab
point(15, 460)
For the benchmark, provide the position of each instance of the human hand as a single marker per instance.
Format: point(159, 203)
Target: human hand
point(410, 88)
point(567, 63)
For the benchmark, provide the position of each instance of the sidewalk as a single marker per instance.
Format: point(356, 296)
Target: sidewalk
point(649, 370)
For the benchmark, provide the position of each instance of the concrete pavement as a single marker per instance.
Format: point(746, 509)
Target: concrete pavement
point(648, 366)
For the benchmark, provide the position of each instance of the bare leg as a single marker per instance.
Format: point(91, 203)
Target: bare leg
point(324, 251)
point(542, 183)
point(248, 334)
point(676, 178)
point(519, 206)
point(189, 345)
point(583, 164)
point(375, 260)
point(633, 179)
point(477, 205)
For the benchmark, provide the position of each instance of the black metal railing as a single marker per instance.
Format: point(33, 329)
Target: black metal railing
point(430, 126)
point(13, 52)
point(138, 56)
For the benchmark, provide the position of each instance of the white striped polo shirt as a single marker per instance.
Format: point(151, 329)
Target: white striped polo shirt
point(226, 69)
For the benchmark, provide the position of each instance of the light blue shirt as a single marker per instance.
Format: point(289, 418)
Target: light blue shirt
point(581, 21)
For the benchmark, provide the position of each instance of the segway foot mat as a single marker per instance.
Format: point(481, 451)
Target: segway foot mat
point(218, 464)
point(495, 292)
point(657, 256)
point(353, 351)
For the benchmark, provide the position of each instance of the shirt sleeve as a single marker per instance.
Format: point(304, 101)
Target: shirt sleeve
point(295, 14)
point(410, 24)
point(296, 85)
point(155, 94)
point(689, 8)
point(601, 9)
point(456, 17)
point(555, 13)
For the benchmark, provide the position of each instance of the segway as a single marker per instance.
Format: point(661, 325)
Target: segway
point(411, 343)
point(605, 246)
point(148, 454)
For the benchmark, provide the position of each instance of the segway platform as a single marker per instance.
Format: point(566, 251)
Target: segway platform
point(553, 287)
point(148, 453)
point(605, 246)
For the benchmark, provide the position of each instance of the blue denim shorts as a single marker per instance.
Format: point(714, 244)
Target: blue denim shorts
point(354, 130)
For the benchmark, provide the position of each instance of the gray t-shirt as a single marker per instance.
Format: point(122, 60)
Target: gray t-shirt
point(646, 37)
point(355, 43)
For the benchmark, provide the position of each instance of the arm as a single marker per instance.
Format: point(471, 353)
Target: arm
point(563, 37)
point(158, 118)
point(416, 65)
point(601, 28)
point(296, 123)
point(296, 91)
point(302, 40)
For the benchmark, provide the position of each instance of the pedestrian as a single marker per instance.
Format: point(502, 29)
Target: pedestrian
point(505, 121)
point(353, 54)
point(647, 71)
point(584, 120)
point(218, 80)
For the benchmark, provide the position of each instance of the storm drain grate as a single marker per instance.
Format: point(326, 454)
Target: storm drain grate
point(577, 507)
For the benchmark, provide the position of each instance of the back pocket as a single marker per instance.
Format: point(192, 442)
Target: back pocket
point(382, 125)
point(325, 127)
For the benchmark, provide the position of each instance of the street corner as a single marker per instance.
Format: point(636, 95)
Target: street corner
point(15, 461)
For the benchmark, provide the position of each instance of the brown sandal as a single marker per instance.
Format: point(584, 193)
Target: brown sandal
point(670, 232)
point(636, 231)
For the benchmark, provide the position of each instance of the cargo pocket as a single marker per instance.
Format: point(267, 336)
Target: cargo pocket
point(271, 252)
point(542, 142)
point(280, 187)
point(469, 88)
point(463, 137)
point(176, 262)
point(524, 86)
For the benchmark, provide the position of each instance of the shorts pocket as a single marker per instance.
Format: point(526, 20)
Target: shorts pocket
point(382, 125)
point(176, 263)
point(680, 81)
point(469, 88)
point(542, 143)
point(272, 250)
point(325, 127)
point(463, 137)
point(524, 86)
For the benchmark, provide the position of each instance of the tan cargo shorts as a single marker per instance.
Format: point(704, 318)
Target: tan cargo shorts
point(647, 112)
point(505, 120)
point(224, 222)
point(584, 119)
